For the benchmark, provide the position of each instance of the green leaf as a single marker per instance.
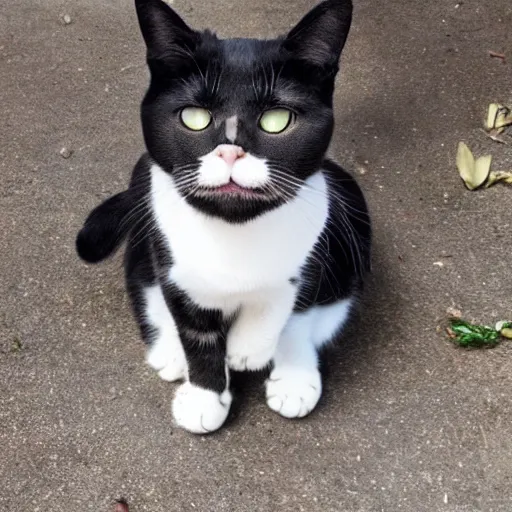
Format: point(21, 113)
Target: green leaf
point(470, 335)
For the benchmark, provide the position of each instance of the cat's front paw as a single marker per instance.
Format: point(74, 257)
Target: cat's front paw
point(200, 410)
point(293, 392)
point(168, 359)
point(243, 358)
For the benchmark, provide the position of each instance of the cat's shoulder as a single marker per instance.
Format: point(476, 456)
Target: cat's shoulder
point(142, 170)
point(340, 181)
point(336, 173)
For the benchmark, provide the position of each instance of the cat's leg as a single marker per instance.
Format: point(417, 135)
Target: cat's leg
point(201, 404)
point(295, 384)
point(166, 354)
point(253, 337)
point(158, 329)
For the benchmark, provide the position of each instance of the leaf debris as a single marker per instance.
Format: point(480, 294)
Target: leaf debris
point(473, 172)
point(466, 334)
point(477, 173)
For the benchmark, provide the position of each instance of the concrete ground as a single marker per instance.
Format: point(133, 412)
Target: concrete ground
point(408, 421)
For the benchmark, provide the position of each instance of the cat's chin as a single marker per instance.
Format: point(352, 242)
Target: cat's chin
point(233, 203)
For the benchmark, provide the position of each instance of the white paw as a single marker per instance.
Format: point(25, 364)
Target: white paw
point(243, 358)
point(200, 410)
point(293, 392)
point(168, 359)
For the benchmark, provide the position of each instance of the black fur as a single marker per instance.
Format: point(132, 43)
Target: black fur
point(341, 257)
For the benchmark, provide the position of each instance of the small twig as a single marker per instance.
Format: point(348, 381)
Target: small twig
point(130, 66)
point(484, 437)
point(497, 55)
point(495, 137)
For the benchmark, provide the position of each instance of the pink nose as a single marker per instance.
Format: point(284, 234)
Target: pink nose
point(229, 153)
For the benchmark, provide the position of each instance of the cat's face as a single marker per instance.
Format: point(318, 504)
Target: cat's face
point(239, 124)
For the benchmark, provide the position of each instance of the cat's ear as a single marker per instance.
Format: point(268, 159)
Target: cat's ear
point(166, 35)
point(320, 36)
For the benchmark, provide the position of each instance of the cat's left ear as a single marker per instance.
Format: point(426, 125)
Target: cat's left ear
point(320, 36)
point(168, 38)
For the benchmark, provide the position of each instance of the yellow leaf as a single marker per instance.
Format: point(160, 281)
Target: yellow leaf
point(474, 173)
point(465, 160)
point(482, 170)
point(505, 176)
point(491, 116)
point(465, 163)
point(507, 333)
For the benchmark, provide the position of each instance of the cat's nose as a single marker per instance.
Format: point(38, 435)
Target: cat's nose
point(230, 153)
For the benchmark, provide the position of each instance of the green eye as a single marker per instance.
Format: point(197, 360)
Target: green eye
point(195, 118)
point(275, 120)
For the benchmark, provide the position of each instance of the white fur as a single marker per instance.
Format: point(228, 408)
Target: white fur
point(222, 265)
point(248, 171)
point(295, 385)
point(293, 392)
point(166, 353)
point(329, 320)
point(252, 339)
point(231, 128)
point(199, 410)
point(201, 337)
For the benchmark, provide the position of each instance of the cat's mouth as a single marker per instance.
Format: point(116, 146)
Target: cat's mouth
point(233, 189)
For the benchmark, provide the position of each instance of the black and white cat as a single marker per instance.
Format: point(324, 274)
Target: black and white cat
point(246, 246)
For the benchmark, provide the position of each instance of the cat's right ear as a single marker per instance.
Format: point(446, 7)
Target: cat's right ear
point(168, 38)
point(320, 36)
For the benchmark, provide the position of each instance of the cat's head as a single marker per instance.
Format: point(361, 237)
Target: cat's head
point(239, 124)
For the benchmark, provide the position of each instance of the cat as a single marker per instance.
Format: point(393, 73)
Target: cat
point(246, 246)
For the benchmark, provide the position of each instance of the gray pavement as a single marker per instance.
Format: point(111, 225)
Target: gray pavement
point(408, 422)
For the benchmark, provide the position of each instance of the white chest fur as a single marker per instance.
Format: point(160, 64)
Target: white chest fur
point(218, 263)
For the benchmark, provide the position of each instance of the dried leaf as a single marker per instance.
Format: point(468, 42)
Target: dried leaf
point(452, 312)
point(491, 116)
point(473, 173)
point(495, 176)
point(503, 117)
point(465, 161)
point(482, 170)
point(450, 333)
point(495, 133)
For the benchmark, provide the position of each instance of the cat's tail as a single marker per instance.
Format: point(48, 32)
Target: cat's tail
point(109, 224)
point(104, 229)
